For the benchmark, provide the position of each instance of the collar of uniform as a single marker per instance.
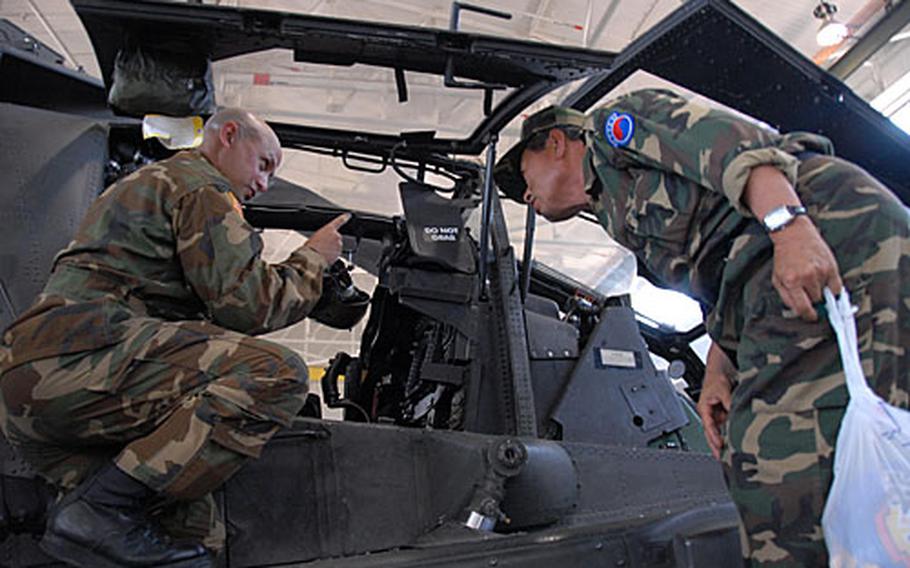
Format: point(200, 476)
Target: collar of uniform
point(592, 184)
point(212, 170)
point(590, 176)
point(215, 172)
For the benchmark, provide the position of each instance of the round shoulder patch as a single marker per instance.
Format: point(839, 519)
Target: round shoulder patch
point(619, 129)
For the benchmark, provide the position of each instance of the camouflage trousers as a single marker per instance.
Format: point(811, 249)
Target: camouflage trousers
point(790, 395)
point(190, 405)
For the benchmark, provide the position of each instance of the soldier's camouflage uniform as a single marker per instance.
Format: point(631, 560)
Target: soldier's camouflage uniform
point(139, 348)
point(673, 195)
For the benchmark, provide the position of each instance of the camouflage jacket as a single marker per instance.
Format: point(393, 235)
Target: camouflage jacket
point(168, 241)
point(667, 175)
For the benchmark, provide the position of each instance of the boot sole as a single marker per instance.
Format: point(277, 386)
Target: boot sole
point(74, 554)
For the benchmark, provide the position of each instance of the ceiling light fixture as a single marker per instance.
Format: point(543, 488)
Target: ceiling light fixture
point(832, 31)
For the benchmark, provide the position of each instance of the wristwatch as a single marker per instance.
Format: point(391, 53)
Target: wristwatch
point(782, 216)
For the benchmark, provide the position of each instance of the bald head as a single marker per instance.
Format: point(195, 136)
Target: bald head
point(243, 148)
point(248, 125)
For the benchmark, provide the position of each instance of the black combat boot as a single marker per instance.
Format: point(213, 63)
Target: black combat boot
point(103, 524)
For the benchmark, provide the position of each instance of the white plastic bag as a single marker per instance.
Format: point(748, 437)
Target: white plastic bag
point(867, 516)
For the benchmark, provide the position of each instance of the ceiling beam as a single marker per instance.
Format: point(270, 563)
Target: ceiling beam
point(602, 24)
point(53, 33)
point(644, 19)
point(878, 35)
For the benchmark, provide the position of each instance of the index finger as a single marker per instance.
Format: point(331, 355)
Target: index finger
point(834, 282)
point(798, 301)
point(339, 221)
point(712, 436)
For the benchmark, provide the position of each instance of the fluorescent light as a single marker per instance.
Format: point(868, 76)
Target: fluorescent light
point(902, 118)
point(894, 102)
point(831, 33)
point(892, 99)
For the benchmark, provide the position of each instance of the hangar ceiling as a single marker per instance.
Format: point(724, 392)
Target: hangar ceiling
point(601, 24)
point(356, 98)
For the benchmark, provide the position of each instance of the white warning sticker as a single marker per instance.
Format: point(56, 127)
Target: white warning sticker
point(617, 358)
point(441, 233)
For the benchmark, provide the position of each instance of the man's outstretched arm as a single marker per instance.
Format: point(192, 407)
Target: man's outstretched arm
point(803, 262)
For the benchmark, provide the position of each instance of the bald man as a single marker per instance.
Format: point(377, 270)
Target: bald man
point(134, 383)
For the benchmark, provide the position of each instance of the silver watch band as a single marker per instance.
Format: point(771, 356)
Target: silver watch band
point(780, 217)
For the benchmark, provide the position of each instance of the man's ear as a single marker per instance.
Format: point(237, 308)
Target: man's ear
point(228, 133)
point(559, 142)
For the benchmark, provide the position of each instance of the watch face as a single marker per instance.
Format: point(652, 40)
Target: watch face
point(777, 218)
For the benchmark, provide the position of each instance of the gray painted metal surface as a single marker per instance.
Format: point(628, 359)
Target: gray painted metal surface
point(48, 183)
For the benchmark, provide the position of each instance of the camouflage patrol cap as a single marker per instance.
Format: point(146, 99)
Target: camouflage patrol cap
point(507, 172)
